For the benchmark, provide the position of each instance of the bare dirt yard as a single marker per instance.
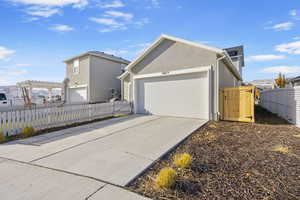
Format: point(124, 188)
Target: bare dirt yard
point(233, 160)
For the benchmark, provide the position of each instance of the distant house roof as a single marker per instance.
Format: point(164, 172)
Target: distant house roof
point(240, 52)
point(295, 79)
point(101, 55)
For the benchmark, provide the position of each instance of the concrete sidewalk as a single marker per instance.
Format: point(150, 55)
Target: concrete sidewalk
point(89, 162)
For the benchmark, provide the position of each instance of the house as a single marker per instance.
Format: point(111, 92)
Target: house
point(263, 84)
point(91, 77)
point(176, 77)
point(295, 81)
point(237, 56)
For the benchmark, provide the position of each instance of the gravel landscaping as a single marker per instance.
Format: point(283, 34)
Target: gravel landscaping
point(233, 160)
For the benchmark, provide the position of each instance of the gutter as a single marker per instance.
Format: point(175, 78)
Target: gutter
point(217, 113)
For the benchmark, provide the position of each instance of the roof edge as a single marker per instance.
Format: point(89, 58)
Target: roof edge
point(97, 55)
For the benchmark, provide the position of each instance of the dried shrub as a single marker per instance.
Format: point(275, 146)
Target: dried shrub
point(281, 149)
point(2, 137)
point(183, 160)
point(28, 132)
point(166, 178)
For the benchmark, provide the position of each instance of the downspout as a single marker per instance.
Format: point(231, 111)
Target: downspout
point(217, 113)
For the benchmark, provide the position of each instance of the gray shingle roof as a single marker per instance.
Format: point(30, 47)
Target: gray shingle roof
point(102, 55)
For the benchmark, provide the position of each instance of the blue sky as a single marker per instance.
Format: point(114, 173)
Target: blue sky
point(37, 35)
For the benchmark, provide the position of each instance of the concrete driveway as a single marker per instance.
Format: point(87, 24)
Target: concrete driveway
point(93, 161)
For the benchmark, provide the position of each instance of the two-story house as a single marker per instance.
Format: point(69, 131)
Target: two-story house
point(237, 56)
point(91, 77)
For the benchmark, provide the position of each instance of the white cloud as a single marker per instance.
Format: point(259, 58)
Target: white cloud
point(155, 3)
point(266, 57)
point(293, 12)
point(142, 21)
point(47, 8)
point(5, 53)
point(283, 26)
point(116, 52)
point(62, 28)
point(105, 21)
point(116, 20)
point(111, 24)
point(282, 69)
point(59, 3)
point(17, 73)
point(41, 11)
point(291, 48)
point(117, 14)
point(296, 38)
point(113, 4)
point(22, 65)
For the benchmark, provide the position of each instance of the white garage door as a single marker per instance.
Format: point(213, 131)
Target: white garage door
point(78, 94)
point(185, 95)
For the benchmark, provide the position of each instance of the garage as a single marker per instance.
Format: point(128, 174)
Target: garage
point(175, 94)
point(78, 94)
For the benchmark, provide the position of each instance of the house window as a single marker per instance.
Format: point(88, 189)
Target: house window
point(76, 66)
point(233, 53)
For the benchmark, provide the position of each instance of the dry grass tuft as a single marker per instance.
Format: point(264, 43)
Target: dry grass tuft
point(233, 160)
point(297, 135)
point(183, 160)
point(28, 132)
point(209, 137)
point(2, 137)
point(281, 149)
point(166, 178)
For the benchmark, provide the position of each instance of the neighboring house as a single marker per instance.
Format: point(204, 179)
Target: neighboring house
point(263, 83)
point(295, 81)
point(91, 77)
point(176, 77)
point(237, 56)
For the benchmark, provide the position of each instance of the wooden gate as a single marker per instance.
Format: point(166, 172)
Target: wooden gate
point(237, 104)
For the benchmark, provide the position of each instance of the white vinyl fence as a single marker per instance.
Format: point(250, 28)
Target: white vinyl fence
point(285, 102)
point(14, 121)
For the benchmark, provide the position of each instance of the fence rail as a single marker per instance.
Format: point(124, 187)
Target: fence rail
point(13, 122)
point(284, 102)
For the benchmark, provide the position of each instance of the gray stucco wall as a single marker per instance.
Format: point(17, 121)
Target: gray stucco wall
point(170, 55)
point(82, 78)
point(103, 77)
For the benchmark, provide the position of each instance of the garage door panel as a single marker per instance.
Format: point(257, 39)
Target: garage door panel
point(181, 95)
point(78, 94)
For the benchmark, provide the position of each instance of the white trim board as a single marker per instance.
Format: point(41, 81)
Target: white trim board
point(173, 73)
point(204, 69)
point(78, 86)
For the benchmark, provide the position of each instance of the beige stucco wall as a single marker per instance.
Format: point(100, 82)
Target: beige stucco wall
point(103, 77)
point(82, 78)
point(170, 55)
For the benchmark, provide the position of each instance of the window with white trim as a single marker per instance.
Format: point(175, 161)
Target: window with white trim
point(76, 66)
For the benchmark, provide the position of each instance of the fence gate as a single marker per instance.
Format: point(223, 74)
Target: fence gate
point(237, 103)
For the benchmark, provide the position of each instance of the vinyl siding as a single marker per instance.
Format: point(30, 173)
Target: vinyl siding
point(170, 55)
point(103, 77)
point(226, 78)
point(82, 78)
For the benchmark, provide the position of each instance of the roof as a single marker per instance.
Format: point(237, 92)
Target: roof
point(295, 79)
point(40, 84)
point(102, 55)
point(218, 51)
point(240, 50)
